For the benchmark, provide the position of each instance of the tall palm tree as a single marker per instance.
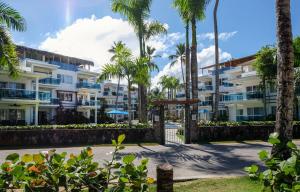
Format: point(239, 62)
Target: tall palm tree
point(181, 6)
point(115, 49)
point(122, 67)
point(285, 70)
point(137, 12)
point(217, 80)
point(10, 19)
point(179, 55)
point(195, 10)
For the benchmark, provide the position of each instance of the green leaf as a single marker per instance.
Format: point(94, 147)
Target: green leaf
point(121, 138)
point(128, 159)
point(291, 145)
point(263, 155)
point(27, 158)
point(252, 169)
point(14, 157)
point(273, 138)
point(124, 180)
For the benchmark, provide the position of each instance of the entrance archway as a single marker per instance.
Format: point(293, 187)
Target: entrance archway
point(171, 133)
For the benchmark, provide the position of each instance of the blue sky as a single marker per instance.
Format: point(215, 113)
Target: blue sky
point(247, 25)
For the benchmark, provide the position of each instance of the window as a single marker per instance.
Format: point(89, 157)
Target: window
point(12, 114)
point(65, 96)
point(252, 88)
point(239, 112)
point(255, 111)
point(273, 110)
point(68, 79)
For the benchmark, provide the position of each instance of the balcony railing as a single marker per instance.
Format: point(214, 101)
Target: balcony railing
point(88, 85)
point(242, 96)
point(250, 118)
point(50, 81)
point(88, 103)
point(206, 88)
point(23, 94)
point(205, 103)
point(180, 95)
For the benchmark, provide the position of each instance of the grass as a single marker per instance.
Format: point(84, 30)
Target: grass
point(236, 184)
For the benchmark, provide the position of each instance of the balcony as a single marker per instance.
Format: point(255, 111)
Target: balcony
point(87, 85)
point(242, 96)
point(205, 88)
point(23, 94)
point(50, 81)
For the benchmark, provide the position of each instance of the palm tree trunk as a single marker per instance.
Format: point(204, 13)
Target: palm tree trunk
point(141, 88)
point(187, 84)
point(116, 102)
point(182, 71)
point(129, 103)
point(194, 66)
point(217, 80)
point(285, 80)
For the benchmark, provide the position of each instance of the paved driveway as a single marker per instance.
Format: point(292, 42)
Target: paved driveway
point(189, 161)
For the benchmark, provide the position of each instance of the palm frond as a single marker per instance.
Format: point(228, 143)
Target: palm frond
point(11, 18)
point(8, 55)
point(154, 28)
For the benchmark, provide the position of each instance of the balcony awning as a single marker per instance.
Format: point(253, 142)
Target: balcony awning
point(117, 112)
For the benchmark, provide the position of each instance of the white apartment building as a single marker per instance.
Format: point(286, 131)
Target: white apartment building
point(109, 94)
point(241, 98)
point(48, 82)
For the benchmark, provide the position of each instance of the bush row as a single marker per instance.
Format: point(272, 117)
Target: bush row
point(232, 123)
point(51, 171)
point(75, 126)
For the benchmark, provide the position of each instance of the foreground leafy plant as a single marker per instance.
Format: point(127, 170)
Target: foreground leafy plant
point(52, 171)
point(281, 175)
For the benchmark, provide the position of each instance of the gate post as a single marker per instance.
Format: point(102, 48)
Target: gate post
point(159, 124)
point(194, 126)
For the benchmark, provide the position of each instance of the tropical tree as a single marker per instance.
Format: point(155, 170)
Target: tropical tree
point(196, 11)
point(10, 19)
point(137, 12)
point(217, 66)
point(116, 50)
point(171, 84)
point(179, 55)
point(285, 80)
point(266, 67)
point(123, 67)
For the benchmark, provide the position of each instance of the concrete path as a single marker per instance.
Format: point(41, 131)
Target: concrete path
point(189, 161)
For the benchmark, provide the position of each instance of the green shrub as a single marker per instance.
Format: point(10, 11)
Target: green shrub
point(52, 171)
point(233, 123)
point(75, 126)
point(281, 175)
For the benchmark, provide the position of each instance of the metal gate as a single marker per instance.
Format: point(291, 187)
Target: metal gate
point(174, 133)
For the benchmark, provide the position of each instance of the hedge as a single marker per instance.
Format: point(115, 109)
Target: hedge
point(74, 126)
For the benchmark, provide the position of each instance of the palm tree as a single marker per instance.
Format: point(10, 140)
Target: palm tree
point(179, 55)
point(195, 10)
point(122, 67)
point(10, 19)
point(181, 6)
point(217, 80)
point(137, 12)
point(285, 70)
point(115, 49)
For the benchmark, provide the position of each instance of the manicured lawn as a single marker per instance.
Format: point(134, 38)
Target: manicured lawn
point(238, 184)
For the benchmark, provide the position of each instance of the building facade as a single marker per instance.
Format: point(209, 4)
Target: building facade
point(241, 96)
point(49, 83)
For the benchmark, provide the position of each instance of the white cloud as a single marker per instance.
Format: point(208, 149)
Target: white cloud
point(90, 38)
point(205, 57)
point(222, 36)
